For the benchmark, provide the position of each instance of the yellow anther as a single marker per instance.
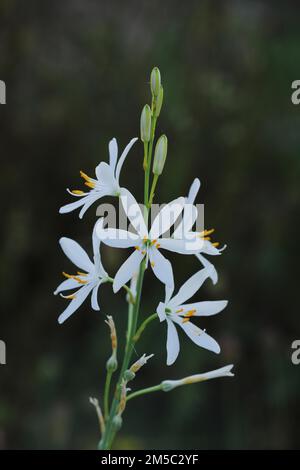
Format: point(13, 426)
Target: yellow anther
point(153, 242)
point(70, 297)
point(137, 248)
point(90, 184)
point(68, 276)
point(188, 315)
point(144, 239)
point(85, 176)
point(216, 244)
point(152, 264)
point(143, 252)
point(157, 245)
point(185, 319)
point(180, 310)
point(205, 233)
point(81, 274)
point(207, 239)
point(78, 192)
point(76, 278)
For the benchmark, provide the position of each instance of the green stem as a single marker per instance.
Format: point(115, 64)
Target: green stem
point(154, 183)
point(133, 314)
point(149, 157)
point(106, 393)
point(125, 287)
point(143, 326)
point(109, 434)
point(143, 391)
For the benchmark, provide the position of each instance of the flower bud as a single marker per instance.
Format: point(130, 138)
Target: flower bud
point(160, 155)
point(140, 363)
point(155, 81)
point(129, 375)
point(112, 364)
point(159, 101)
point(146, 123)
point(168, 385)
point(117, 423)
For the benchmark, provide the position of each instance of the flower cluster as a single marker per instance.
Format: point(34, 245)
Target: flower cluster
point(171, 230)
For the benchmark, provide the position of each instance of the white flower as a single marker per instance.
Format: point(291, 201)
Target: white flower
point(176, 312)
point(168, 385)
point(189, 218)
point(105, 184)
point(88, 281)
point(147, 243)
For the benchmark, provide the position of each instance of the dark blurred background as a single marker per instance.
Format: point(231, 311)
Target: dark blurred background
point(77, 74)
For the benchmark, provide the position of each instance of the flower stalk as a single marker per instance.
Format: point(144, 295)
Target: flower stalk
point(147, 244)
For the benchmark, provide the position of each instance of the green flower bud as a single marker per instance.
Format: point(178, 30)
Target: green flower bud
point(155, 81)
point(117, 423)
point(159, 101)
point(167, 385)
point(112, 363)
point(146, 123)
point(160, 155)
point(129, 375)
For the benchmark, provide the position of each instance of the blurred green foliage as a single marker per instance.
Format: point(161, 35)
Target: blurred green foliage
point(77, 74)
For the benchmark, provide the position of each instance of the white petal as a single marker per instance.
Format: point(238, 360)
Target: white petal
point(106, 177)
point(190, 287)
point(117, 238)
point(94, 298)
point(166, 217)
point(161, 311)
point(96, 240)
point(205, 308)
point(67, 284)
point(113, 154)
point(188, 246)
point(190, 214)
point(90, 201)
point(123, 156)
point(193, 191)
point(173, 345)
point(127, 270)
point(133, 212)
point(197, 335)
point(161, 267)
point(81, 295)
point(96, 249)
point(76, 254)
point(206, 264)
point(73, 205)
point(209, 249)
point(168, 293)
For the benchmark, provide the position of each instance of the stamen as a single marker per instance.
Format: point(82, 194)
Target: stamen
point(216, 244)
point(137, 248)
point(152, 264)
point(188, 315)
point(76, 278)
point(77, 191)
point(153, 242)
point(143, 252)
point(180, 310)
point(85, 176)
point(158, 245)
point(69, 297)
point(90, 184)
